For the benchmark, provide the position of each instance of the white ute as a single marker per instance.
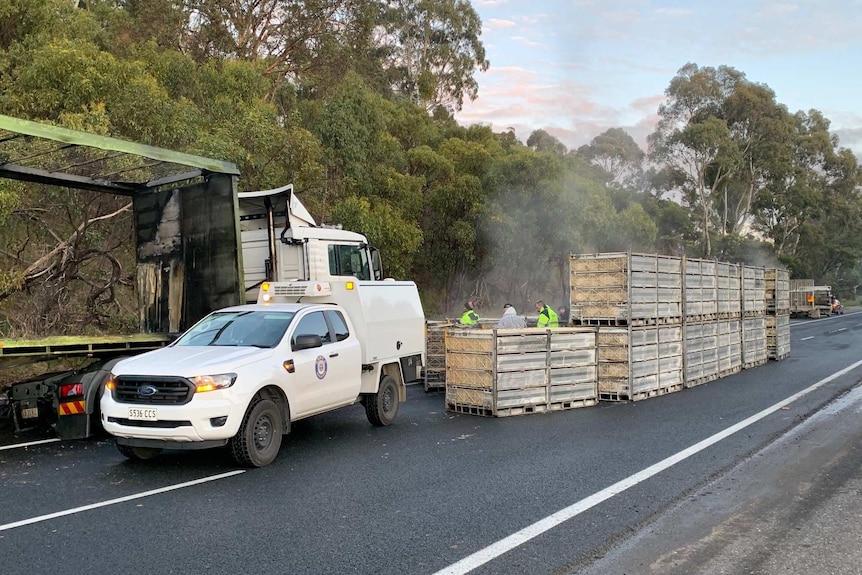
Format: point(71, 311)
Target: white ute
point(242, 374)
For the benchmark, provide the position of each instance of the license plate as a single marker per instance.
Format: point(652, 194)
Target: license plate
point(141, 414)
point(30, 413)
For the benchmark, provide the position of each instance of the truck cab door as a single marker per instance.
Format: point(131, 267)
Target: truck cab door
point(328, 376)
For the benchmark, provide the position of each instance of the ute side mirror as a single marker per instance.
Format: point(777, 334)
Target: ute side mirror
point(306, 341)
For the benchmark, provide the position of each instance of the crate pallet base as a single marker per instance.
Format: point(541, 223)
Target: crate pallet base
point(773, 311)
point(608, 322)
point(754, 313)
point(781, 357)
point(701, 317)
point(755, 363)
point(729, 315)
point(639, 395)
point(521, 409)
point(435, 385)
point(701, 380)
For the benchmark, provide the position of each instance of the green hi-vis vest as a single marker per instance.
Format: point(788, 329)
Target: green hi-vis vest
point(469, 317)
point(548, 318)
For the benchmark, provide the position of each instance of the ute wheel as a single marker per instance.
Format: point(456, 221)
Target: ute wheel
point(258, 440)
point(382, 407)
point(138, 453)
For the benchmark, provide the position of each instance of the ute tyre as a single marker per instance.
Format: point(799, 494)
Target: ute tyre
point(138, 453)
point(382, 407)
point(258, 440)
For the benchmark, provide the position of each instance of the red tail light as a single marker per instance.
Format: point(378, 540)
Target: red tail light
point(71, 389)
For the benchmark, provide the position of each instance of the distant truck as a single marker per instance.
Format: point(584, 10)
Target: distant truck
point(812, 301)
point(243, 374)
point(200, 246)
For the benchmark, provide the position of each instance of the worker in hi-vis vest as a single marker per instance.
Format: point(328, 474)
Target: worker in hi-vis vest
point(547, 316)
point(469, 317)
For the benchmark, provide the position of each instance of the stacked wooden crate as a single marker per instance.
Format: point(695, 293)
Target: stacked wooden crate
point(635, 302)
point(753, 316)
point(711, 328)
point(434, 371)
point(625, 289)
point(638, 362)
point(777, 283)
point(502, 372)
point(729, 290)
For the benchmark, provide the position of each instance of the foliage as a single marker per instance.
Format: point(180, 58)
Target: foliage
point(352, 101)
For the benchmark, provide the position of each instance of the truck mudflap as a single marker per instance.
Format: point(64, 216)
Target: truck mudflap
point(161, 444)
point(73, 421)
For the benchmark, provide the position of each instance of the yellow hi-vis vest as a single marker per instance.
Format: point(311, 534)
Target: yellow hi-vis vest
point(548, 318)
point(469, 317)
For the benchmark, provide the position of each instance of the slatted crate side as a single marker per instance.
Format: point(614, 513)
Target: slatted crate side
point(777, 290)
point(509, 398)
point(604, 295)
point(585, 280)
point(572, 358)
point(602, 262)
point(753, 341)
point(584, 375)
point(456, 395)
point(523, 341)
point(472, 378)
point(573, 338)
point(470, 340)
point(585, 392)
point(614, 389)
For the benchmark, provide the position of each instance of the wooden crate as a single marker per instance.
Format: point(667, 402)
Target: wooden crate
point(778, 336)
point(729, 290)
point(700, 293)
point(777, 286)
point(753, 291)
point(434, 370)
point(625, 288)
point(511, 372)
point(713, 349)
point(637, 362)
point(753, 341)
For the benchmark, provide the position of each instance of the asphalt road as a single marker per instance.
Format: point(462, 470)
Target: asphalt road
point(435, 492)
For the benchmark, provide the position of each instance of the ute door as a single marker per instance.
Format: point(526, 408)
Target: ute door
point(327, 376)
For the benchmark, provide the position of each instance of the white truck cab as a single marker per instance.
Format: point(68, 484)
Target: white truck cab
point(282, 242)
point(242, 374)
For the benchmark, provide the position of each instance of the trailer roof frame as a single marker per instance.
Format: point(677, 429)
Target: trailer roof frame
point(53, 155)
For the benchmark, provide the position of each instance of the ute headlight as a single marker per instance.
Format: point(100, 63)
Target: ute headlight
point(213, 382)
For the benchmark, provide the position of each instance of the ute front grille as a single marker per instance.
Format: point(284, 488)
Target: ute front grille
point(151, 390)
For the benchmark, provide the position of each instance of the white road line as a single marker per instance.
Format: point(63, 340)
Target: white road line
point(806, 338)
point(118, 500)
point(518, 538)
point(17, 445)
point(838, 330)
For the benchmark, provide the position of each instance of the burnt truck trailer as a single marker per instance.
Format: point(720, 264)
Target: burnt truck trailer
point(200, 246)
point(189, 258)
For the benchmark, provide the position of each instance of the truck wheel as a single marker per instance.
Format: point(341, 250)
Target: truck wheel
point(382, 407)
point(138, 453)
point(258, 440)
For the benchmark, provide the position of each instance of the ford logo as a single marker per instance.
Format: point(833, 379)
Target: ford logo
point(147, 390)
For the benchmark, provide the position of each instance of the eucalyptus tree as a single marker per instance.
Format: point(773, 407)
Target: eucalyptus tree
point(431, 50)
point(693, 142)
point(618, 155)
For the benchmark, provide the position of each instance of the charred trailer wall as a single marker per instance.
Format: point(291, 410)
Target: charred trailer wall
point(188, 253)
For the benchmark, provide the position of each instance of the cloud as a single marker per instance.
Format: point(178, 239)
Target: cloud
point(495, 23)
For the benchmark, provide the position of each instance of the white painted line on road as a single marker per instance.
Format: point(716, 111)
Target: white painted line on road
point(806, 338)
point(118, 500)
point(40, 442)
point(518, 538)
point(837, 330)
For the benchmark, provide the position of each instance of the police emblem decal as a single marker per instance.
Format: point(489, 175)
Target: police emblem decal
point(320, 367)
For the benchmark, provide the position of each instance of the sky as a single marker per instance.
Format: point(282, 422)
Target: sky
point(576, 68)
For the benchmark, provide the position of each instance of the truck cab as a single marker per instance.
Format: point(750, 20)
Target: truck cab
point(282, 242)
point(241, 375)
